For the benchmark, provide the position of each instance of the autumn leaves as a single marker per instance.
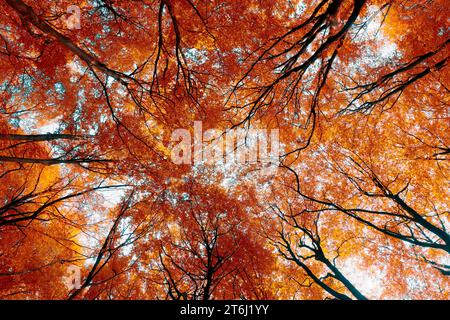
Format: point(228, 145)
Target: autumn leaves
point(360, 142)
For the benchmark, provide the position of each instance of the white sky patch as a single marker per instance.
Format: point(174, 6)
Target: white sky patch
point(197, 56)
point(388, 50)
point(113, 196)
point(369, 282)
point(51, 127)
point(300, 8)
point(372, 32)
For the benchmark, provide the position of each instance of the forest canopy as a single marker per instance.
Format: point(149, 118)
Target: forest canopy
point(222, 149)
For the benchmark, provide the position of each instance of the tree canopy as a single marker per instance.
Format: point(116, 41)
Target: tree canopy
point(356, 203)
